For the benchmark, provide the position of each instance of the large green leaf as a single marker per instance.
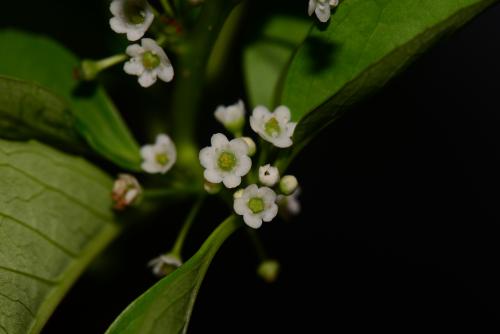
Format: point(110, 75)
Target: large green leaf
point(166, 307)
point(41, 60)
point(55, 216)
point(266, 58)
point(28, 111)
point(366, 44)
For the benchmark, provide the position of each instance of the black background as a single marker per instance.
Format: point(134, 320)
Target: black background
point(400, 202)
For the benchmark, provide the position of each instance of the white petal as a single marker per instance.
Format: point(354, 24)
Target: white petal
point(207, 157)
point(218, 140)
point(116, 7)
point(134, 34)
point(268, 194)
point(231, 181)
point(163, 139)
point(334, 3)
point(244, 166)
point(165, 72)
point(290, 129)
point(211, 175)
point(117, 25)
point(239, 146)
point(252, 221)
point(134, 50)
point(240, 206)
point(255, 124)
point(147, 152)
point(220, 114)
point(133, 67)
point(151, 45)
point(282, 142)
point(312, 7)
point(282, 114)
point(323, 12)
point(270, 213)
point(147, 78)
point(150, 167)
point(251, 190)
point(261, 112)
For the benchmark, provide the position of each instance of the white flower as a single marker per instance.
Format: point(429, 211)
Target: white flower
point(268, 175)
point(256, 205)
point(131, 17)
point(232, 117)
point(225, 161)
point(148, 62)
point(165, 264)
point(322, 8)
point(160, 157)
point(290, 205)
point(288, 184)
point(126, 190)
point(274, 127)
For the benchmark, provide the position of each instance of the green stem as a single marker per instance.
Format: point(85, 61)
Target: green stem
point(258, 245)
point(190, 77)
point(181, 237)
point(167, 8)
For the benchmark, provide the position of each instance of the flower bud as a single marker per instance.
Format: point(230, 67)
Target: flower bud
point(211, 188)
point(252, 148)
point(269, 270)
point(126, 190)
point(269, 175)
point(288, 184)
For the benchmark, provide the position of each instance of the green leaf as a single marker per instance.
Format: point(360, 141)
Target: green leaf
point(28, 111)
point(167, 306)
point(43, 61)
point(55, 216)
point(366, 44)
point(265, 59)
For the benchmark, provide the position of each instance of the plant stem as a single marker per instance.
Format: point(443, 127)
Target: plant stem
point(258, 244)
point(181, 237)
point(190, 80)
point(167, 8)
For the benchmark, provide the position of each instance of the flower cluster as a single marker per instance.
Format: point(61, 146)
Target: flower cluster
point(148, 61)
point(228, 161)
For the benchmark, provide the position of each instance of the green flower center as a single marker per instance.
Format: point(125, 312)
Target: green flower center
point(150, 60)
point(227, 161)
point(272, 127)
point(162, 158)
point(134, 12)
point(256, 204)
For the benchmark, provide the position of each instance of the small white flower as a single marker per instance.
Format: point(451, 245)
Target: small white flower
point(322, 8)
point(268, 175)
point(256, 205)
point(126, 190)
point(274, 127)
point(149, 62)
point(160, 157)
point(225, 161)
point(165, 264)
point(289, 205)
point(232, 117)
point(288, 184)
point(131, 17)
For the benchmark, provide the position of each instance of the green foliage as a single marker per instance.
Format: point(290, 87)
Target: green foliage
point(55, 216)
point(167, 306)
point(366, 44)
point(266, 58)
point(41, 60)
point(28, 111)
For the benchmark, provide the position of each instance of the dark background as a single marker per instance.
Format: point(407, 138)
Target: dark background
point(400, 203)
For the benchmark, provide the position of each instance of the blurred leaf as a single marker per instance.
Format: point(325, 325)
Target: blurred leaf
point(266, 59)
point(41, 60)
point(28, 111)
point(167, 306)
point(366, 43)
point(55, 216)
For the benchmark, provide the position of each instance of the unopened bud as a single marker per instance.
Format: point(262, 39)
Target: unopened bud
point(288, 184)
point(252, 148)
point(269, 270)
point(126, 190)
